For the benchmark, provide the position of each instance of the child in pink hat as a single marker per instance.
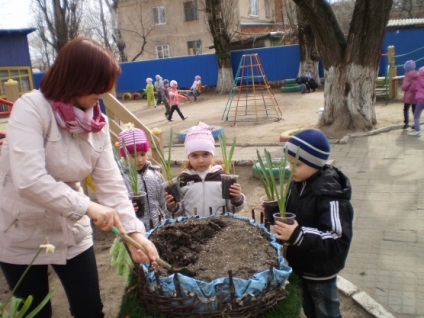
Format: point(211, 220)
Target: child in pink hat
point(200, 180)
point(149, 176)
point(408, 87)
point(174, 99)
point(196, 87)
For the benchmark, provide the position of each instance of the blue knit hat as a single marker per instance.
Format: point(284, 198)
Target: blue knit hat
point(409, 66)
point(314, 148)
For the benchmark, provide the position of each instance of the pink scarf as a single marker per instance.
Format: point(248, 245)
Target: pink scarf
point(76, 120)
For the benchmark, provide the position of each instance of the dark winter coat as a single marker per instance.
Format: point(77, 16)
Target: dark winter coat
point(320, 244)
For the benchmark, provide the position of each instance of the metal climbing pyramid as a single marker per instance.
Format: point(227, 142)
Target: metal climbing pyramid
point(251, 98)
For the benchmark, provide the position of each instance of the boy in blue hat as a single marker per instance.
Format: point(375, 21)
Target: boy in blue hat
point(319, 240)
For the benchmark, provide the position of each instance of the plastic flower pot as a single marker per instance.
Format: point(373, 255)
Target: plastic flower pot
point(227, 181)
point(140, 200)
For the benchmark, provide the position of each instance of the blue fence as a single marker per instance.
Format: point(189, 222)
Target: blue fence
point(404, 41)
point(278, 63)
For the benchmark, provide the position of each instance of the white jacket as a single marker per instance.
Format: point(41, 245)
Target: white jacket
point(201, 195)
point(41, 166)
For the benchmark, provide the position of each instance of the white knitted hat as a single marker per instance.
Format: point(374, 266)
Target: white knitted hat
point(199, 138)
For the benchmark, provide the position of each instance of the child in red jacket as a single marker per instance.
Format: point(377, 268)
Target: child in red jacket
point(174, 99)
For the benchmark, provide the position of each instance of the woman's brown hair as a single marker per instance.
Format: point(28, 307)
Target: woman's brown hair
point(83, 67)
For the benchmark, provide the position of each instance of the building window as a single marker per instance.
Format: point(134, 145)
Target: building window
point(162, 51)
point(253, 8)
point(190, 10)
point(268, 9)
point(194, 47)
point(159, 15)
point(20, 74)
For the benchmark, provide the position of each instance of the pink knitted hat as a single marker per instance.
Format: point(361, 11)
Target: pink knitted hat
point(133, 136)
point(199, 138)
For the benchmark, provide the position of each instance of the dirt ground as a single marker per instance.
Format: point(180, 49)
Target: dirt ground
point(298, 111)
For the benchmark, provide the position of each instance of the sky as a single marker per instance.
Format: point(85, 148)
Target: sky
point(15, 14)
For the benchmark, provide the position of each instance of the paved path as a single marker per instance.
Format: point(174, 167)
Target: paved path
point(386, 259)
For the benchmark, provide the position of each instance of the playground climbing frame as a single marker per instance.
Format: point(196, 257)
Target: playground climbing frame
point(251, 98)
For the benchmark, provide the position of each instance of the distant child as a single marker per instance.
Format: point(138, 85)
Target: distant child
point(158, 88)
point(408, 87)
point(307, 83)
point(196, 87)
point(150, 92)
point(165, 97)
point(174, 98)
point(149, 177)
point(419, 97)
point(200, 179)
point(319, 240)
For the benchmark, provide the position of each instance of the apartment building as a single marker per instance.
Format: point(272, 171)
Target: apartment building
point(154, 29)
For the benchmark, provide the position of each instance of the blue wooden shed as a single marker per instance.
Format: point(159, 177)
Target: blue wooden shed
point(15, 61)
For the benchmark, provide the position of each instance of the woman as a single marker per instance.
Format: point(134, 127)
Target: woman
point(56, 137)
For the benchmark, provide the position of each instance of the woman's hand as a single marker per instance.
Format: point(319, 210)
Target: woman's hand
point(137, 254)
point(104, 217)
point(284, 231)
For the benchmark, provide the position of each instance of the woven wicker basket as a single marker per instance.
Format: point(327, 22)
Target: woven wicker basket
point(186, 305)
point(225, 301)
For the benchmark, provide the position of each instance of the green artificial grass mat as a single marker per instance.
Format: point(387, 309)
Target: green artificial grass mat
point(289, 307)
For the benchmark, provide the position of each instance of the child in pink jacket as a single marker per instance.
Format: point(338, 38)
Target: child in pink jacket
point(419, 97)
point(174, 99)
point(408, 87)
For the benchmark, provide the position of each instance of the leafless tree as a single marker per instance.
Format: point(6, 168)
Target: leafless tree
point(351, 63)
point(408, 9)
point(58, 21)
point(309, 55)
point(220, 21)
point(116, 32)
point(140, 25)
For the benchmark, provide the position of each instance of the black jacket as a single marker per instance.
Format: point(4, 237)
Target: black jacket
point(320, 244)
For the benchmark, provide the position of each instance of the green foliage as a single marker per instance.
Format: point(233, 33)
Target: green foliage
point(226, 156)
point(290, 306)
point(266, 174)
point(121, 259)
point(273, 191)
point(165, 161)
point(17, 308)
point(132, 167)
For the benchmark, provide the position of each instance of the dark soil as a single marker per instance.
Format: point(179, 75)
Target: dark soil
point(209, 248)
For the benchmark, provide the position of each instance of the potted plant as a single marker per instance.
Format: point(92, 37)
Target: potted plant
point(227, 179)
point(171, 185)
point(276, 194)
point(136, 196)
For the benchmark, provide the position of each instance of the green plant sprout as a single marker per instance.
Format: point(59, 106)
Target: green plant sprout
point(226, 156)
point(132, 168)
point(273, 191)
point(165, 161)
point(18, 307)
point(266, 175)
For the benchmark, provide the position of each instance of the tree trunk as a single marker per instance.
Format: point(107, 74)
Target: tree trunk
point(309, 55)
point(350, 65)
point(222, 43)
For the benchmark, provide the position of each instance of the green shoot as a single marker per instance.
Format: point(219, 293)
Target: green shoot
point(165, 162)
point(226, 156)
point(132, 168)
